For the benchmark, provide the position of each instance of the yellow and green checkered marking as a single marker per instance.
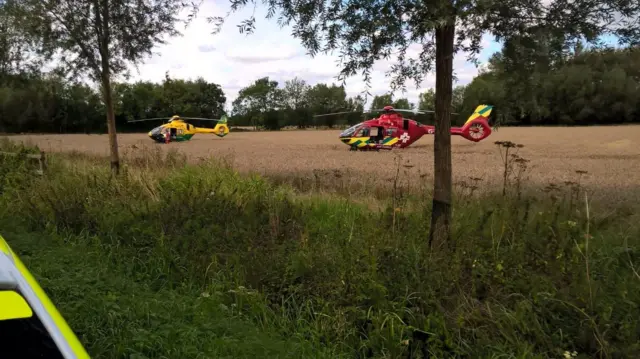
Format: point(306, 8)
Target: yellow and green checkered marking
point(362, 142)
point(481, 110)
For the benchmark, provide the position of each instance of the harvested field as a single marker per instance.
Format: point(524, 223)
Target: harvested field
point(610, 155)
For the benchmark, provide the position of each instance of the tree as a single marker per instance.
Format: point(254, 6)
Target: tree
point(365, 31)
point(99, 38)
point(403, 103)
point(380, 101)
point(255, 100)
point(356, 106)
point(295, 100)
point(197, 98)
point(324, 99)
point(427, 100)
point(10, 52)
point(595, 85)
point(139, 100)
point(15, 46)
point(294, 93)
point(207, 98)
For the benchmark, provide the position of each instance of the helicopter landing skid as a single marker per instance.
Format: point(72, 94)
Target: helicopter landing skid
point(376, 148)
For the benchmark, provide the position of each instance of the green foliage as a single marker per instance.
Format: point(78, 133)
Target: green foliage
point(97, 38)
point(523, 278)
point(16, 171)
point(403, 103)
point(260, 96)
point(527, 84)
point(595, 86)
point(194, 98)
point(427, 102)
point(327, 99)
point(50, 104)
point(119, 307)
point(364, 31)
point(294, 94)
point(265, 104)
point(381, 101)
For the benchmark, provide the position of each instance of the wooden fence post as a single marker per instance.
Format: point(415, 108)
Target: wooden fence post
point(41, 159)
point(43, 162)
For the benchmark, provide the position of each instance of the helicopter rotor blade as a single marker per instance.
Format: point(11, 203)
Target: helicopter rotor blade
point(421, 112)
point(335, 113)
point(200, 118)
point(181, 117)
point(403, 110)
point(150, 119)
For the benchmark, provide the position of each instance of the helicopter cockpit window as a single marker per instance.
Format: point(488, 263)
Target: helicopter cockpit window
point(156, 131)
point(350, 131)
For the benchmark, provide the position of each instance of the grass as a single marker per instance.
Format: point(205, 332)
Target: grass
point(304, 274)
point(120, 310)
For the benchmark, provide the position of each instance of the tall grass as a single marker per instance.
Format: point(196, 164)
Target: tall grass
point(524, 277)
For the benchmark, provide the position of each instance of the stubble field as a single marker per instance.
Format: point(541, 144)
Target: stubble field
point(609, 155)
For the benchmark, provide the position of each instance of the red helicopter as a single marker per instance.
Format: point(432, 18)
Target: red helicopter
point(391, 130)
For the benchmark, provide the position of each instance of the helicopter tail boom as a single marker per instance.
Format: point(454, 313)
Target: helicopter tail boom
point(220, 130)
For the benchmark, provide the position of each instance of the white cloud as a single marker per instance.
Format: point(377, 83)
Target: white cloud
point(235, 60)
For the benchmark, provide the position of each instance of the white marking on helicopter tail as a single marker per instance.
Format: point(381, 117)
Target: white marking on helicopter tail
point(476, 130)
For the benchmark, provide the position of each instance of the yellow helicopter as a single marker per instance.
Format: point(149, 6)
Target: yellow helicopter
point(176, 129)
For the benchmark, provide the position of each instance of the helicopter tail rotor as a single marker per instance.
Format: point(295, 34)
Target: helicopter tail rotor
point(474, 130)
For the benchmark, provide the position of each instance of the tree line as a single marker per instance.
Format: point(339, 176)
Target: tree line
point(588, 87)
point(597, 86)
point(48, 103)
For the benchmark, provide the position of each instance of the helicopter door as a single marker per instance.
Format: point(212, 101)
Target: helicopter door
point(377, 134)
point(405, 124)
point(173, 133)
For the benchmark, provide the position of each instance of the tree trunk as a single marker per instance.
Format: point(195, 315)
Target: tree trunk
point(111, 122)
point(440, 231)
point(102, 19)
